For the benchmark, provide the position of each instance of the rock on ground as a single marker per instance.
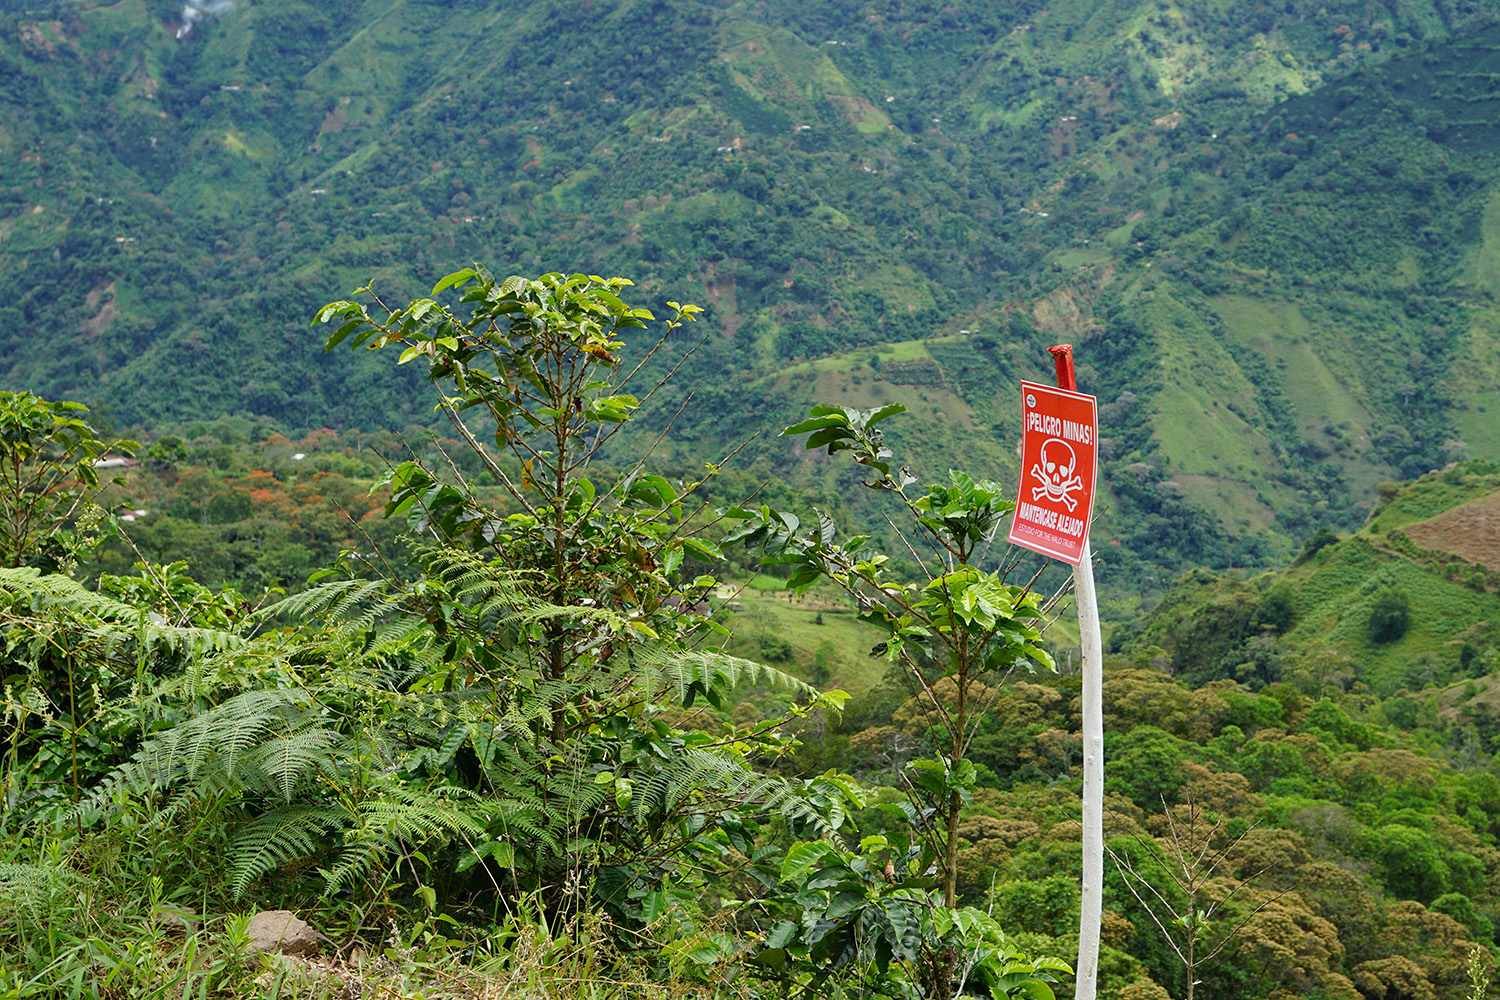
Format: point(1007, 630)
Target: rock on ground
point(281, 932)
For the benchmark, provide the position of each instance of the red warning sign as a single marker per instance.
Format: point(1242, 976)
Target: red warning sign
point(1059, 453)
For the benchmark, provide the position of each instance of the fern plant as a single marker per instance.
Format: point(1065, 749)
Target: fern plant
point(356, 760)
point(559, 618)
point(83, 671)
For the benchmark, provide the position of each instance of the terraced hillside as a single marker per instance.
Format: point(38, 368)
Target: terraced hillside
point(1409, 602)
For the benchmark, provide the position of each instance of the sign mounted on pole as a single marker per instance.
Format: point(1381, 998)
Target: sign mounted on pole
point(1059, 453)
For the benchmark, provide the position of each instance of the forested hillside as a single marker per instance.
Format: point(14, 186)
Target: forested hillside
point(1268, 228)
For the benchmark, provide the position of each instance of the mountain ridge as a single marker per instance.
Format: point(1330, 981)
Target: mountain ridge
point(1262, 226)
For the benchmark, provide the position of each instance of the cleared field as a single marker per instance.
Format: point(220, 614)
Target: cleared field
point(1428, 499)
point(1476, 377)
point(1238, 504)
point(1470, 530)
point(821, 630)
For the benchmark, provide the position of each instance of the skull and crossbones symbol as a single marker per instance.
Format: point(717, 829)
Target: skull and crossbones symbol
point(1055, 472)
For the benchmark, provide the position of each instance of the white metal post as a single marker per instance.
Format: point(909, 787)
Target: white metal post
point(1091, 901)
point(1091, 906)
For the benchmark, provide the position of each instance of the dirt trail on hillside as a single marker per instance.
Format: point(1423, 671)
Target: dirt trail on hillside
point(1470, 530)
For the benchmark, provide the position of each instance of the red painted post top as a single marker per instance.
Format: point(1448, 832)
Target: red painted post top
point(1062, 361)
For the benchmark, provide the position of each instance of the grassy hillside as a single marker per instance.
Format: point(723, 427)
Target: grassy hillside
point(1320, 621)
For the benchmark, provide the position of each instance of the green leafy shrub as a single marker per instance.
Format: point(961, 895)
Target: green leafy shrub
point(775, 649)
point(48, 481)
point(1318, 541)
point(1390, 615)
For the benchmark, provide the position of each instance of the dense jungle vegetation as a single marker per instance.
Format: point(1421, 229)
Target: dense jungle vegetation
point(515, 737)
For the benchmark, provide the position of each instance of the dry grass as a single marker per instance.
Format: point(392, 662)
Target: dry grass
point(1470, 530)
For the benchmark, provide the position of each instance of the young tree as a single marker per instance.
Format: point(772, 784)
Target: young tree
point(512, 724)
point(964, 624)
point(564, 609)
point(1183, 884)
point(47, 478)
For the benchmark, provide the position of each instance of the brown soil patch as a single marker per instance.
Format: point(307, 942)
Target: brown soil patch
point(745, 49)
point(100, 321)
point(1470, 531)
point(1061, 315)
point(721, 291)
point(35, 38)
point(337, 118)
point(857, 110)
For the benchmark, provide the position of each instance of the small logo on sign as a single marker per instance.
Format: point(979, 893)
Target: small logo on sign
point(1030, 400)
point(1055, 473)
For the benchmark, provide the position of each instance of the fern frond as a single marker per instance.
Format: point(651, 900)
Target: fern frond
point(403, 815)
point(498, 595)
point(225, 734)
point(279, 837)
point(315, 602)
point(691, 771)
point(410, 812)
point(533, 829)
point(394, 635)
point(34, 887)
point(100, 619)
point(782, 797)
point(209, 748)
point(682, 669)
point(286, 760)
point(38, 591)
point(355, 861)
point(535, 613)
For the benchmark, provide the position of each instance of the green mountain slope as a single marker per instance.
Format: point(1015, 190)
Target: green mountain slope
point(1395, 607)
point(1269, 230)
